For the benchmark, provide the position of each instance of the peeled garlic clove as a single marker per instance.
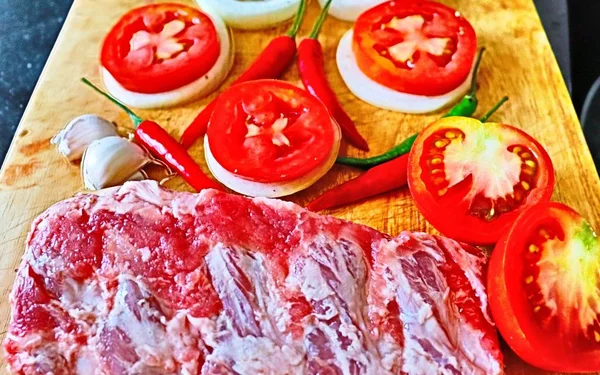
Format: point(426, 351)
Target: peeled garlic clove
point(80, 132)
point(111, 161)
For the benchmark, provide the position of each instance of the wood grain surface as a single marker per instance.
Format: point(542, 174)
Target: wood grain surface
point(518, 62)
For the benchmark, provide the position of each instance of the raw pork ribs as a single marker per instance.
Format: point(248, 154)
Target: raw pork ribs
point(142, 280)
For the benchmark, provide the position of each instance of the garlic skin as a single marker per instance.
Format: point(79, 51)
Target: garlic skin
point(80, 132)
point(111, 161)
point(140, 175)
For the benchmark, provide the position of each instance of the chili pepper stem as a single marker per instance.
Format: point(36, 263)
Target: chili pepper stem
point(297, 19)
point(314, 34)
point(468, 104)
point(494, 109)
point(472, 92)
point(135, 118)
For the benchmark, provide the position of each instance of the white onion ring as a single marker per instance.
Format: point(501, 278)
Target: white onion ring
point(252, 15)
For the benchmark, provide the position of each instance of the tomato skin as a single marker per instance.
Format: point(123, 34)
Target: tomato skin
point(450, 213)
point(508, 301)
point(138, 71)
point(258, 105)
point(426, 77)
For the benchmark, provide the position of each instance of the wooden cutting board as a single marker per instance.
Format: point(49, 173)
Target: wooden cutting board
point(518, 62)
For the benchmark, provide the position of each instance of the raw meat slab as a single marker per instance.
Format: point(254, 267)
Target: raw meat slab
point(143, 280)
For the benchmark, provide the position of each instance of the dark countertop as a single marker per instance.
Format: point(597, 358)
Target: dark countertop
point(28, 30)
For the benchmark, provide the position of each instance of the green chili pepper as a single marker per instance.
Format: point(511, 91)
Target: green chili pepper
point(399, 150)
point(402, 148)
point(466, 107)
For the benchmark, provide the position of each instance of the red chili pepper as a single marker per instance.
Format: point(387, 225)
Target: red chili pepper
point(377, 180)
point(271, 63)
point(311, 65)
point(164, 147)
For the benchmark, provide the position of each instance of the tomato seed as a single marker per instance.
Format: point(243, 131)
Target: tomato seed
point(544, 233)
point(441, 143)
point(530, 163)
point(544, 314)
point(518, 195)
point(535, 298)
point(525, 185)
point(435, 161)
point(528, 171)
point(533, 248)
point(439, 181)
point(529, 279)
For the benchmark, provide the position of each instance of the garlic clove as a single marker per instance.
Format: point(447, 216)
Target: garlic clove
point(80, 132)
point(111, 161)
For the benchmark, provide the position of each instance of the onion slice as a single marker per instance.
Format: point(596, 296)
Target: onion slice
point(252, 15)
point(194, 90)
point(384, 97)
point(349, 10)
point(270, 190)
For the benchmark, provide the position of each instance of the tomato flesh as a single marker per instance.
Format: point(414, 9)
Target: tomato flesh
point(422, 48)
point(471, 180)
point(270, 131)
point(160, 47)
point(544, 285)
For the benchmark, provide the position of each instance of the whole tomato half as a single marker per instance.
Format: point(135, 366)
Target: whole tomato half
point(471, 180)
point(544, 289)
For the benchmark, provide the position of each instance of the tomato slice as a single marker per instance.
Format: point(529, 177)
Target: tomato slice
point(416, 47)
point(471, 180)
point(160, 47)
point(270, 131)
point(544, 288)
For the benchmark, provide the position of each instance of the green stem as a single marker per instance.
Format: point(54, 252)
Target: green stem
point(314, 34)
point(473, 89)
point(297, 19)
point(468, 104)
point(399, 150)
point(135, 118)
point(494, 109)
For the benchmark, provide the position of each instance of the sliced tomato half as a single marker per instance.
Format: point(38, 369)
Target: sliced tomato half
point(270, 131)
point(416, 47)
point(471, 180)
point(544, 288)
point(160, 47)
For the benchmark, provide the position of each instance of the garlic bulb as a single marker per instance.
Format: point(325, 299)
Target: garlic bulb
point(111, 161)
point(80, 132)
